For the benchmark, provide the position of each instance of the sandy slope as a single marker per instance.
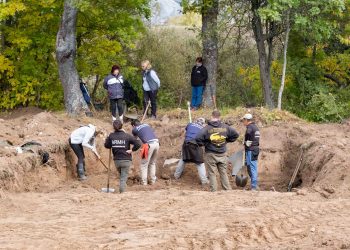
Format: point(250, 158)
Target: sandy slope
point(82, 218)
point(45, 207)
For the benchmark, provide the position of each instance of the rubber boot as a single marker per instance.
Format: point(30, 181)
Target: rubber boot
point(81, 172)
point(113, 118)
point(121, 118)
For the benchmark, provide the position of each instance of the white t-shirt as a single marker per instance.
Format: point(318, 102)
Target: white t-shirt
point(83, 135)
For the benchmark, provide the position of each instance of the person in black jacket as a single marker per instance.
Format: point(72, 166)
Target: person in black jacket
point(120, 142)
point(251, 143)
point(214, 138)
point(199, 78)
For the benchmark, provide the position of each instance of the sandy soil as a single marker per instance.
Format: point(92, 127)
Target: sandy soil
point(45, 207)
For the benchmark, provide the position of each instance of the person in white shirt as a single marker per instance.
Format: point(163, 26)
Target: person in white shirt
point(83, 137)
point(150, 86)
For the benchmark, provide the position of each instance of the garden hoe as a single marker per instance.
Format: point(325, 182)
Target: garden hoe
point(241, 180)
point(147, 107)
point(108, 189)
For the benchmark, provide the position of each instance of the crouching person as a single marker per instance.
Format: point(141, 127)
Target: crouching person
point(120, 143)
point(191, 152)
point(83, 137)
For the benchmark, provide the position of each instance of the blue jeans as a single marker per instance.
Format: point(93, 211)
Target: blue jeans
point(252, 169)
point(197, 93)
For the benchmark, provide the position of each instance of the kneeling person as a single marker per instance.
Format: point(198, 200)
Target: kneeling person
point(120, 143)
point(191, 152)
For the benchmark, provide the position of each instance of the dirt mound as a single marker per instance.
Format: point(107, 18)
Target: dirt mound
point(44, 206)
point(324, 167)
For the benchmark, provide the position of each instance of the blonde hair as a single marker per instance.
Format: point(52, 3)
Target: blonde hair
point(147, 63)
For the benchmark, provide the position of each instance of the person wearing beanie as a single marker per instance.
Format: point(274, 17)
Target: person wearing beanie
point(214, 138)
point(191, 152)
point(150, 86)
point(120, 143)
point(113, 83)
point(83, 137)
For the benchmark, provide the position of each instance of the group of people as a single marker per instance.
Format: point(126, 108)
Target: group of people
point(115, 85)
point(213, 136)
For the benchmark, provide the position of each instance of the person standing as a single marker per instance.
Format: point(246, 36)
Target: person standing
point(120, 143)
point(191, 152)
point(113, 83)
point(199, 77)
point(251, 143)
point(214, 138)
point(150, 86)
point(83, 137)
point(149, 152)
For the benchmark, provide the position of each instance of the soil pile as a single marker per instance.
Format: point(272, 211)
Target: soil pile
point(47, 207)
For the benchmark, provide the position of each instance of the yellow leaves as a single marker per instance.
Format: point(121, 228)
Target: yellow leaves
point(10, 9)
point(6, 66)
point(337, 65)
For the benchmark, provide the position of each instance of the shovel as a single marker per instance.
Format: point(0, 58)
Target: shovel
point(108, 189)
point(147, 107)
point(241, 180)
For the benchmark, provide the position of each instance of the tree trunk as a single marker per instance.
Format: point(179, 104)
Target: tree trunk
point(210, 48)
point(264, 58)
point(94, 91)
point(285, 48)
point(2, 35)
point(65, 56)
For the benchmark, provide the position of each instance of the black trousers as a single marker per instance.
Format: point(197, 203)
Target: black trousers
point(150, 96)
point(114, 104)
point(78, 151)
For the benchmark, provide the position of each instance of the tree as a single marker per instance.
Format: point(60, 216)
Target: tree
point(311, 18)
point(65, 56)
point(210, 11)
point(264, 34)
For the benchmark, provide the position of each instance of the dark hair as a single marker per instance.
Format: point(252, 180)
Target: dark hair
point(117, 125)
point(135, 122)
point(199, 59)
point(114, 67)
point(216, 114)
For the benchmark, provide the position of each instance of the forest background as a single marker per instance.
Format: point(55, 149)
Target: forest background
point(317, 76)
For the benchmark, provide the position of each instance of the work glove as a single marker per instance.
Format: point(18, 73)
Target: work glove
point(248, 143)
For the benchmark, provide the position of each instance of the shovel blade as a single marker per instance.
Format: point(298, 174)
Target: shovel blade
point(107, 190)
point(236, 162)
point(241, 181)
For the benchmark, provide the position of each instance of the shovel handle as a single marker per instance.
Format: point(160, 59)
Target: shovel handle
point(144, 115)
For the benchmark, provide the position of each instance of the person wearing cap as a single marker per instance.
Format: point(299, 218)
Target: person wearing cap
point(149, 152)
point(214, 138)
point(251, 144)
point(191, 152)
point(120, 142)
point(150, 86)
point(83, 137)
point(113, 83)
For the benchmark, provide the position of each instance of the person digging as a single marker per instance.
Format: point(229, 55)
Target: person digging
point(191, 152)
point(120, 143)
point(251, 144)
point(83, 137)
point(149, 152)
point(214, 138)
